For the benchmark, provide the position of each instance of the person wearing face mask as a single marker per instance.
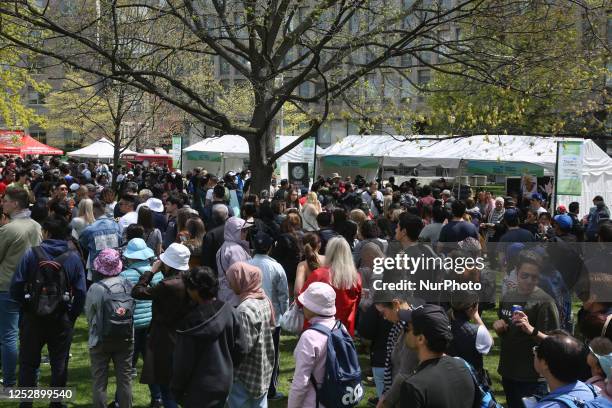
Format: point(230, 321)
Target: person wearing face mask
point(171, 303)
point(235, 248)
point(519, 378)
point(599, 360)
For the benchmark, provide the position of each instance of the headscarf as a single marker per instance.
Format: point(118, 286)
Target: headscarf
point(248, 278)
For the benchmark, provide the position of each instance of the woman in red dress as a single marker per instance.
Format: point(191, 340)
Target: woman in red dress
point(340, 272)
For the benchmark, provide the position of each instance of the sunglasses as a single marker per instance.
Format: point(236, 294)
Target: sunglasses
point(63, 189)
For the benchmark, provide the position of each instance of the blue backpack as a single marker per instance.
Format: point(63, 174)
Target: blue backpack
point(484, 397)
point(573, 402)
point(341, 386)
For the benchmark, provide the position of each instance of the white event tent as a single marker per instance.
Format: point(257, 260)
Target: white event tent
point(102, 149)
point(364, 154)
point(229, 152)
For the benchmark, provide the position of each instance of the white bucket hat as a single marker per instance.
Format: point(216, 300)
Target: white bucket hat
point(155, 204)
point(319, 298)
point(177, 257)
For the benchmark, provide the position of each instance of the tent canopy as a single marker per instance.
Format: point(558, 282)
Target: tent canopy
point(17, 142)
point(100, 149)
point(450, 153)
point(532, 151)
point(235, 146)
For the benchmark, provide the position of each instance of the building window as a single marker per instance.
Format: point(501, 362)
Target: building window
point(35, 97)
point(71, 139)
point(39, 135)
point(224, 67)
point(304, 90)
point(68, 7)
point(423, 77)
point(36, 65)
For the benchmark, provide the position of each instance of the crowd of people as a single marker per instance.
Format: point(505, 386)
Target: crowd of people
point(196, 274)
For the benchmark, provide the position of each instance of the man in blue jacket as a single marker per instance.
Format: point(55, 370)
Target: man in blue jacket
point(55, 326)
point(103, 233)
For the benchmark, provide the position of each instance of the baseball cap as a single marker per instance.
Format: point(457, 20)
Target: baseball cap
point(511, 214)
point(429, 320)
point(74, 187)
point(564, 221)
point(536, 196)
point(562, 209)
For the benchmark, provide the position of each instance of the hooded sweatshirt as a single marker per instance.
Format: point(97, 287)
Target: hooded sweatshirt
point(73, 268)
point(233, 250)
point(210, 343)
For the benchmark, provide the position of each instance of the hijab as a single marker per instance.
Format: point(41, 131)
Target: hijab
point(248, 279)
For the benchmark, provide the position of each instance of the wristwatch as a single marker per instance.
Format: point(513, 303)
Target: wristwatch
point(534, 332)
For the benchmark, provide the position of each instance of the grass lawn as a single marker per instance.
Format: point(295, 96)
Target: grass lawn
point(80, 377)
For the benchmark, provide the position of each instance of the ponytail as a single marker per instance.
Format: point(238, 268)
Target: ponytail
point(312, 260)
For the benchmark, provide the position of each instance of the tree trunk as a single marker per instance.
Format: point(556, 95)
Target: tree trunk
point(116, 154)
point(261, 148)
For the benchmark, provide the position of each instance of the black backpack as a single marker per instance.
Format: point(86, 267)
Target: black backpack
point(48, 292)
point(117, 310)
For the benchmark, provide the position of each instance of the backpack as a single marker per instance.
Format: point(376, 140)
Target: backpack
point(573, 402)
point(341, 386)
point(47, 291)
point(117, 310)
point(484, 395)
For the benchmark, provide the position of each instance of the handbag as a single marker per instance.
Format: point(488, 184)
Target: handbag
point(293, 319)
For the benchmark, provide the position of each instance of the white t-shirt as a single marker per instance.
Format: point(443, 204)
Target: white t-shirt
point(127, 220)
point(484, 341)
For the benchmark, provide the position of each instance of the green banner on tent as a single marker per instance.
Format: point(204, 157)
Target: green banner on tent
point(482, 167)
point(207, 156)
point(569, 168)
point(348, 161)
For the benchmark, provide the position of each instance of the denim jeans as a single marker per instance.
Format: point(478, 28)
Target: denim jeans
point(239, 397)
point(379, 379)
point(9, 331)
point(516, 390)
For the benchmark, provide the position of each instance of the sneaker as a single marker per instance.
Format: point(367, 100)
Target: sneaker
point(373, 401)
point(277, 397)
point(156, 404)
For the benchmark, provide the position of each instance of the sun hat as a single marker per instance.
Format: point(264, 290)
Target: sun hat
point(137, 249)
point(155, 204)
point(176, 256)
point(334, 175)
point(108, 262)
point(319, 298)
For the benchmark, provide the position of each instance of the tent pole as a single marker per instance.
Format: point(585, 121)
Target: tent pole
point(314, 161)
point(554, 197)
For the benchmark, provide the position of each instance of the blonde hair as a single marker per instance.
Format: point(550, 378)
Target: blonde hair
point(358, 216)
point(86, 210)
point(339, 258)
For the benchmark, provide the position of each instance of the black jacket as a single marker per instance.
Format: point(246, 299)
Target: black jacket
point(213, 240)
point(210, 344)
point(374, 327)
